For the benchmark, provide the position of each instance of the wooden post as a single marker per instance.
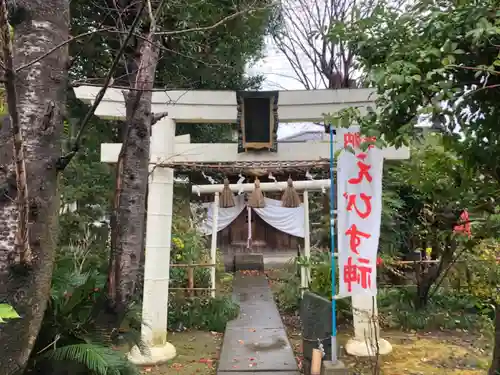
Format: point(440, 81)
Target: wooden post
point(317, 357)
point(213, 247)
point(416, 257)
point(249, 227)
point(190, 276)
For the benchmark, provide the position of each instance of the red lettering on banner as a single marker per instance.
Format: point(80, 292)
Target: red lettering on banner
point(350, 274)
point(351, 203)
point(362, 173)
point(354, 140)
point(355, 240)
point(370, 139)
point(364, 273)
point(357, 271)
point(362, 156)
point(357, 274)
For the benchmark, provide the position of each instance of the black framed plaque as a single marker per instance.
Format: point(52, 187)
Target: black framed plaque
point(257, 120)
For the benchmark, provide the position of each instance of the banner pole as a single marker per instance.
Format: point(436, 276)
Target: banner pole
point(332, 245)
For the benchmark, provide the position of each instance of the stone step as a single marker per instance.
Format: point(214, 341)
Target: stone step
point(249, 262)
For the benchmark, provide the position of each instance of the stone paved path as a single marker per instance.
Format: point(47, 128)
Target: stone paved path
point(256, 341)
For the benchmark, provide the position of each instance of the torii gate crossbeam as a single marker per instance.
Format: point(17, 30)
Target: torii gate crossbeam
point(186, 106)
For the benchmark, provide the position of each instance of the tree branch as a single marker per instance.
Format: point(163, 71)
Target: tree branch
point(490, 71)
point(155, 117)
point(213, 26)
point(64, 160)
point(21, 241)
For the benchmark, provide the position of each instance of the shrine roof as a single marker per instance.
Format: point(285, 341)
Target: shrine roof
point(256, 168)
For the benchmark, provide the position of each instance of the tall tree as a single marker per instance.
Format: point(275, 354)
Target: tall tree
point(302, 31)
point(35, 75)
point(437, 60)
point(133, 166)
point(212, 59)
point(29, 205)
point(161, 24)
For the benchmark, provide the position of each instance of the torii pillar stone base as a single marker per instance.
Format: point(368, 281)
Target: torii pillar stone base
point(155, 355)
point(366, 341)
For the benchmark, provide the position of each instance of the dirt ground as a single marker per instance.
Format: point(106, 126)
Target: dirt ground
point(445, 353)
point(435, 353)
point(197, 351)
point(442, 353)
point(197, 354)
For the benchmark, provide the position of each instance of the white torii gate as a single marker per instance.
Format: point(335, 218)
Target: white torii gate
point(211, 107)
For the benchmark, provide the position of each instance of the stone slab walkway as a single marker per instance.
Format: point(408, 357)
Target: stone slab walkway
point(256, 341)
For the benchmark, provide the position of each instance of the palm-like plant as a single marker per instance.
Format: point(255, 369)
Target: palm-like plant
point(70, 340)
point(98, 359)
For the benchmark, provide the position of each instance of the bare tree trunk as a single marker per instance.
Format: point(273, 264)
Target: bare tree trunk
point(111, 285)
point(301, 34)
point(41, 98)
point(495, 364)
point(133, 180)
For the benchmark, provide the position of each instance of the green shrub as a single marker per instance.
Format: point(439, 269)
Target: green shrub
point(179, 279)
point(321, 274)
point(464, 302)
point(210, 314)
point(479, 276)
point(188, 247)
point(449, 310)
point(288, 293)
point(69, 340)
point(321, 283)
point(444, 311)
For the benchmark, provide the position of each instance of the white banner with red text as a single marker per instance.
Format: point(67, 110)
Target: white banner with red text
point(359, 209)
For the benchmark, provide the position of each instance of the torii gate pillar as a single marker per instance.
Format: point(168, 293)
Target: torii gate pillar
point(211, 107)
point(158, 240)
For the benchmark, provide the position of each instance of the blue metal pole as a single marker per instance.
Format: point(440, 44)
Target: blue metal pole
point(332, 245)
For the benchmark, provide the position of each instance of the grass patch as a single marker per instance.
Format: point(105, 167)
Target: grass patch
point(197, 353)
point(420, 354)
